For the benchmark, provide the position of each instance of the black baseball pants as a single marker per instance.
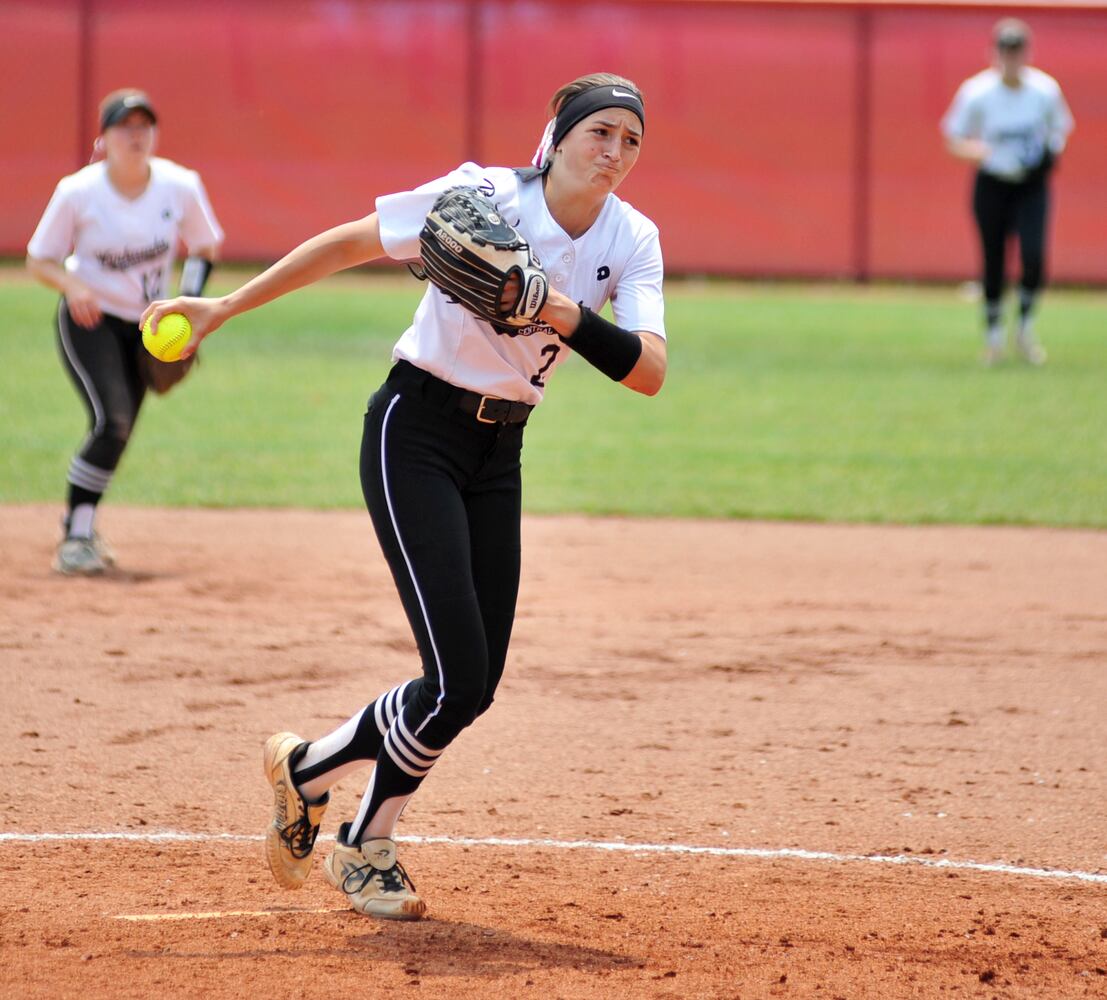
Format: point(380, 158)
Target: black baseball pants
point(102, 363)
point(1002, 209)
point(444, 493)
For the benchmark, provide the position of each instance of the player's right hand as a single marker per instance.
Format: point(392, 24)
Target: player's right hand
point(981, 151)
point(82, 306)
point(205, 316)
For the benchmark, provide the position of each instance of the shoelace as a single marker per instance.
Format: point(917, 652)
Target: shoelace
point(392, 879)
point(300, 837)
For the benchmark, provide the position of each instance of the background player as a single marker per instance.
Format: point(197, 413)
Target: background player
point(440, 463)
point(1012, 122)
point(107, 242)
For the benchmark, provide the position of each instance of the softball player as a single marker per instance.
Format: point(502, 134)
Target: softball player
point(107, 242)
point(440, 461)
point(1012, 122)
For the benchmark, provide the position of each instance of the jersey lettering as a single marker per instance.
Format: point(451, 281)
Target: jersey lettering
point(153, 283)
point(121, 260)
point(603, 273)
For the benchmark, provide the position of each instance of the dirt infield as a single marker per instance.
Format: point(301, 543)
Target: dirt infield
point(809, 702)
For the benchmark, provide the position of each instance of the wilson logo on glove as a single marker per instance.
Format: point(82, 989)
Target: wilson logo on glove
point(537, 297)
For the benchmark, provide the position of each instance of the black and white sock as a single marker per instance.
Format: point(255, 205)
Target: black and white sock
point(1027, 300)
point(350, 747)
point(993, 321)
point(81, 513)
point(400, 770)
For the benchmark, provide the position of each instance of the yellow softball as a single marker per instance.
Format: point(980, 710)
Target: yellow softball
point(169, 339)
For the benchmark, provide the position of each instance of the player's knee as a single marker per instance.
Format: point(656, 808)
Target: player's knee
point(485, 704)
point(453, 709)
point(117, 429)
point(462, 707)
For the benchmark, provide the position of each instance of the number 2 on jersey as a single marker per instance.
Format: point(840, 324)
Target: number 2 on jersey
point(552, 350)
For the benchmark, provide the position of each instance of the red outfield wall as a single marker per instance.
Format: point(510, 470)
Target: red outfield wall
point(783, 138)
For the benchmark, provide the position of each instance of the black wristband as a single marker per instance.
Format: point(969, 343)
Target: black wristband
point(610, 348)
point(194, 275)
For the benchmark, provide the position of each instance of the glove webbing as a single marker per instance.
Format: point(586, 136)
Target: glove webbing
point(469, 218)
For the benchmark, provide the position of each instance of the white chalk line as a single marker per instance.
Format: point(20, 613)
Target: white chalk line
point(220, 914)
point(783, 853)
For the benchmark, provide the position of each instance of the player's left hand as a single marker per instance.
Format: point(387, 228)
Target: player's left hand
point(509, 295)
point(205, 316)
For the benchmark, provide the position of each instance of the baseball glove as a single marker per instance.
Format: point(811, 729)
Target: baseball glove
point(161, 376)
point(472, 255)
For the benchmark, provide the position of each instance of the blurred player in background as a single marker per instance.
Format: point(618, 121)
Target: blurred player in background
point(440, 460)
point(1012, 122)
point(107, 242)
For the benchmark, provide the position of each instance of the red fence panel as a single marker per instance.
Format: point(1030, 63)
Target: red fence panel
point(301, 112)
point(783, 138)
point(39, 113)
point(735, 185)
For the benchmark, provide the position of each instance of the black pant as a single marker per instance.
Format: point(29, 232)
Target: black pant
point(1001, 209)
point(102, 363)
point(445, 497)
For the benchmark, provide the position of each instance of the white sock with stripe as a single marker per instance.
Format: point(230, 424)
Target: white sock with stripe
point(350, 747)
point(80, 521)
point(401, 768)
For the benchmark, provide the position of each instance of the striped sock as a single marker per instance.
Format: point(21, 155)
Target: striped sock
point(350, 747)
point(1027, 298)
point(88, 476)
point(399, 772)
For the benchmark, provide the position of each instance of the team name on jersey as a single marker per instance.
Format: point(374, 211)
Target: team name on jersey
point(125, 259)
point(523, 331)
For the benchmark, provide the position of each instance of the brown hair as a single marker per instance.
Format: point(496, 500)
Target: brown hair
point(583, 83)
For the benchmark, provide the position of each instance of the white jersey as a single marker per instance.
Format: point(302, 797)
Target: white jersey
point(123, 248)
point(619, 258)
point(1019, 123)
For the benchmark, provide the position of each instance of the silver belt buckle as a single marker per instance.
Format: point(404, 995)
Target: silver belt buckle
point(481, 418)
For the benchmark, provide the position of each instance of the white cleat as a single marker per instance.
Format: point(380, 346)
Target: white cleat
point(1032, 352)
point(79, 557)
point(373, 880)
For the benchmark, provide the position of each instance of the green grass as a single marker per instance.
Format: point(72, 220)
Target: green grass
point(786, 401)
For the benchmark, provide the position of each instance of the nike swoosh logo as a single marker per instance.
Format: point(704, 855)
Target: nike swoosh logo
point(616, 92)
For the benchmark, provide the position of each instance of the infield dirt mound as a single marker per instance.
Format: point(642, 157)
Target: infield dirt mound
point(935, 692)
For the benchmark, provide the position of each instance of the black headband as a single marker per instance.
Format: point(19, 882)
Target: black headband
point(581, 105)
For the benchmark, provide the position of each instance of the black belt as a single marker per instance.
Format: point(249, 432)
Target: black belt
point(484, 409)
